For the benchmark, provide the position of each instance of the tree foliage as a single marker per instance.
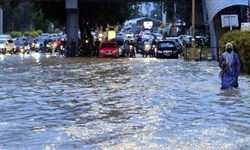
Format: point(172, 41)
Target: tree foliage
point(21, 16)
point(241, 44)
point(183, 10)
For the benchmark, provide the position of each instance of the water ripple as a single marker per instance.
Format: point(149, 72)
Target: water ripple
point(50, 102)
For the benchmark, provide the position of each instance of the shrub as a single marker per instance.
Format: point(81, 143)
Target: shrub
point(27, 33)
point(34, 34)
point(241, 44)
point(57, 30)
point(39, 31)
point(15, 34)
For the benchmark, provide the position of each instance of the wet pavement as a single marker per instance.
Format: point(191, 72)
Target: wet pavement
point(49, 102)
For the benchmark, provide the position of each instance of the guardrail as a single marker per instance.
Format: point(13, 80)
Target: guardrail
point(199, 53)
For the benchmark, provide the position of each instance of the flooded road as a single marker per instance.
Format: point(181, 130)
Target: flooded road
point(48, 102)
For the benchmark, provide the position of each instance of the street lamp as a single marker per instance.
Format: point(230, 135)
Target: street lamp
point(155, 16)
point(1, 20)
point(155, 24)
point(193, 23)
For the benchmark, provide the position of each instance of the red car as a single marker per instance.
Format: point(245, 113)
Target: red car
point(109, 49)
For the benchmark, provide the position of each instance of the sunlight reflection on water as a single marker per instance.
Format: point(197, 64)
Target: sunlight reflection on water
point(50, 102)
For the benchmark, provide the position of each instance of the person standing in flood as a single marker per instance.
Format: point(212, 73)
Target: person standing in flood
point(230, 68)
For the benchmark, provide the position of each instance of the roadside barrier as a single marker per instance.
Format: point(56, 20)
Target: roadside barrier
point(198, 53)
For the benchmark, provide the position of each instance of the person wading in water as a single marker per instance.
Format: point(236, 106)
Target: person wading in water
point(230, 68)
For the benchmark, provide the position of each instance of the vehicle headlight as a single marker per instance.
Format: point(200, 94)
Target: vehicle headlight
point(86, 41)
point(147, 47)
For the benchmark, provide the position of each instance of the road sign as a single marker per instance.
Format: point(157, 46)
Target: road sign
point(229, 21)
point(245, 26)
point(162, 26)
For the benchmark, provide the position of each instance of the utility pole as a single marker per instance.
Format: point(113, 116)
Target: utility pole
point(193, 18)
point(164, 13)
point(1, 20)
point(248, 11)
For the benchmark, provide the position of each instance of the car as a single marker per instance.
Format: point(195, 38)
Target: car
point(44, 36)
point(166, 49)
point(178, 42)
point(158, 36)
point(129, 36)
point(188, 40)
point(119, 39)
point(5, 36)
point(39, 43)
point(123, 50)
point(6, 46)
point(19, 46)
point(109, 49)
point(2, 46)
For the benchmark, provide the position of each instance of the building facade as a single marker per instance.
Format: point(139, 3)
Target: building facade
point(213, 10)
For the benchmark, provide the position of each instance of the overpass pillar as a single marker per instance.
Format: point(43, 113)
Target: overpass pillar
point(72, 27)
point(1, 20)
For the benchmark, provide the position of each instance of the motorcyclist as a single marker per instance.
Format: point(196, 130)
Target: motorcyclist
point(131, 49)
point(96, 46)
point(138, 44)
point(125, 51)
point(153, 46)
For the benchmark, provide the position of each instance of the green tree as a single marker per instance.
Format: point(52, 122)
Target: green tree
point(21, 16)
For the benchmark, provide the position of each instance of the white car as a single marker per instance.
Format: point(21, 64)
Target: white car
point(158, 36)
point(6, 46)
point(3, 46)
point(44, 36)
point(129, 36)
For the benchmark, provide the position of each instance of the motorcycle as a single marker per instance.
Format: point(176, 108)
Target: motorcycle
point(152, 51)
point(61, 50)
point(146, 50)
point(27, 49)
point(131, 52)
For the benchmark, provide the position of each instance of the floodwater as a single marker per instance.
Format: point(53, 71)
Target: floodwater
point(49, 102)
